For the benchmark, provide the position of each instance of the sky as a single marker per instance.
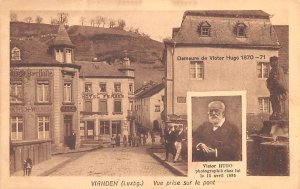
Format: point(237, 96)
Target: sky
point(157, 24)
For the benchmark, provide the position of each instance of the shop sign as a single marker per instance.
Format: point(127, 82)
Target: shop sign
point(68, 109)
point(88, 96)
point(16, 73)
point(23, 109)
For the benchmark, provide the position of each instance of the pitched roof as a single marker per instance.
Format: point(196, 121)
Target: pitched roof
point(100, 69)
point(229, 13)
point(32, 52)
point(151, 91)
point(282, 32)
point(144, 87)
point(259, 30)
point(62, 37)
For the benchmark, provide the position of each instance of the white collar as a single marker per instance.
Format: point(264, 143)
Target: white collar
point(221, 122)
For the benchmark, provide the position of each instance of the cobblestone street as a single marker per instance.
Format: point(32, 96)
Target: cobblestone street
point(120, 161)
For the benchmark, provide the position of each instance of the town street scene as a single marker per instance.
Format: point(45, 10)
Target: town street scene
point(104, 94)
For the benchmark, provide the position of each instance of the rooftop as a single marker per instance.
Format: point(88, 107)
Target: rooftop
point(62, 37)
point(151, 91)
point(100, 69)
point(259, 30)
point(32, 52)
point(228, 13)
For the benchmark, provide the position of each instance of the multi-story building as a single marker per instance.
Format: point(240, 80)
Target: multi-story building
point(149, 105)
point(106, 100)
point(43, 97)
point(219, 51)
point(52, 95)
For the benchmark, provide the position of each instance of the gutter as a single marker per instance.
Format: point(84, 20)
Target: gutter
point(173, 72)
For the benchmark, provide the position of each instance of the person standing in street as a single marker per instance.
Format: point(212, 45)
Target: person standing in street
point(129, 139)
point(180, 137)
point(144, 139)
point(152, 137)
point(113, 141)
point(73, 140)
point(125, 140)
point(133, 139)
point(169, 142)
point(118, 140)
point(137, 140)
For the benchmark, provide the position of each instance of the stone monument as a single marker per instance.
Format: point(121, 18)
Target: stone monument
point(277, 85)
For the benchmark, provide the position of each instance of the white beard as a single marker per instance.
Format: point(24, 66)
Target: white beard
point(214, 120)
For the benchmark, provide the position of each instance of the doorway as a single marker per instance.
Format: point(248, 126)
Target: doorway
point(156, 126)
point(90, 126)
point(116, 127)
point(68, 127)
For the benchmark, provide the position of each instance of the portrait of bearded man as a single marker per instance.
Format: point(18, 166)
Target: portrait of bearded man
point(218, 139)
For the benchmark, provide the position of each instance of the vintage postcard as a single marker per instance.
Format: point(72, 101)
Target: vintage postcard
point(149, 94)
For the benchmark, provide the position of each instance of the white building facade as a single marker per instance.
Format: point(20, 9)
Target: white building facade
point(105, 100)
point(219, 51)
point(149, 105)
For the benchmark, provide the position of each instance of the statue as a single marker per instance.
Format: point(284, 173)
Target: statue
point(277, 86)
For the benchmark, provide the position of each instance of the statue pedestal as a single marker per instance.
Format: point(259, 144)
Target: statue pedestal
point(267, 126)
point(266, 156)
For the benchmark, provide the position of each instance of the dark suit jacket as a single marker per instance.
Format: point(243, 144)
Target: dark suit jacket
point(181, 136)
point(226, 139)
point(170, 138)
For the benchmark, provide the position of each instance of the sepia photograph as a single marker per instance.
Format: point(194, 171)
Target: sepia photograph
point(217, 126)
point(87, 98)
point(136, 94)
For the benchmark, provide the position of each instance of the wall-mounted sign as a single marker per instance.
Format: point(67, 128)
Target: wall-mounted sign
point(18, 73)
point(23, 109)
point(68, 108)
point(88, 96)
point(181, 99)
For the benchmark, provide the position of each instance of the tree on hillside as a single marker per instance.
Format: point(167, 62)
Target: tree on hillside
point(112, 23)
point(103, 20)
point(13, 17)
point(145, 35)
point(131, 29)
point(54, 21)
point(98, 20)
point(38, 19)
point(28, 19)
point(82, 20)
point(121, 24)
point(63, 17)
point(136, 30)
point(92, 22)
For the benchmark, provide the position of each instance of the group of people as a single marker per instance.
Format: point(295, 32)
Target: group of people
point(133, 140)
point(175, 141)
point(115, 140)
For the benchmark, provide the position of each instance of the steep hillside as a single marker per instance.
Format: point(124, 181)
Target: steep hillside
point(103, 44)
point(109, 44)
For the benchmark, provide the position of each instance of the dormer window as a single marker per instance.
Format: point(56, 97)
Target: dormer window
point(204, 29)
point(59, 55)
point(68, 56)
point(240, 30)
point(15, 54)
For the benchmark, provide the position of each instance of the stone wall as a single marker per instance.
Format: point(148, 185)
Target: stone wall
point(36, 150)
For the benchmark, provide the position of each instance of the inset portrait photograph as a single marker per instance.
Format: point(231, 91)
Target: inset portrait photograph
point(216, 128)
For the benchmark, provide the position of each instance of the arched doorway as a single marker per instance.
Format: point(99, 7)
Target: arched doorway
point(156, 126)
